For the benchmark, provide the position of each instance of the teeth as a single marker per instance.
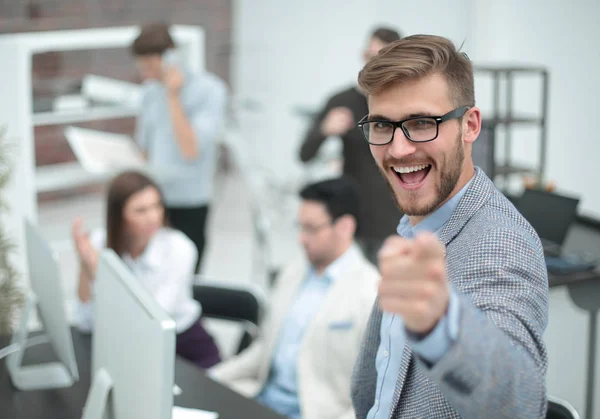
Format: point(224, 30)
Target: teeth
point(410, 169)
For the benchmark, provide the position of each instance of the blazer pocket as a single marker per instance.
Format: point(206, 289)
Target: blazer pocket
point(341, 325)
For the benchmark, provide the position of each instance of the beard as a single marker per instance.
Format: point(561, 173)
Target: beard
point(450, 169)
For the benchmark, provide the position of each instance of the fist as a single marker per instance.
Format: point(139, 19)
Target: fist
point(413, 281)
point(173, 80)
point(337, 122)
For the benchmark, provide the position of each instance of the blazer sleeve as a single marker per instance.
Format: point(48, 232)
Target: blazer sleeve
point(242, 366)
point(498, 361)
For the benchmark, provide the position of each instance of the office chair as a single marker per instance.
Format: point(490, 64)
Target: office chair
point(560, 409)
point(240, 303)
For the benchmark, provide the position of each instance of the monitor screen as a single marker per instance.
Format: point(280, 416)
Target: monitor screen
point(550, 214)
point(134, 345)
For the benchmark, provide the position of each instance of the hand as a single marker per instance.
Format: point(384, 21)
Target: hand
point(413, 281)
point(88, 255)
point(337, 122)
point(173, 80)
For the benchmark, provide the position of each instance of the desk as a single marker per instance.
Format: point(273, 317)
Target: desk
point(584, 291)
point(198, 391)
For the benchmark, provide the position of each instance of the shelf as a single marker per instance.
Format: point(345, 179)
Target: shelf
point(503, 170)
point(487, 121)
point(94, 113)
point(510, 68)
point(64, 176)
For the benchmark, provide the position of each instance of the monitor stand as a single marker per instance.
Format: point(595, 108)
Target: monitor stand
point(34, 377)
point(97, 403)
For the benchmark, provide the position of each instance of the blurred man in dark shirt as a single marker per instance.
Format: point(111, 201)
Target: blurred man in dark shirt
point(380, 215)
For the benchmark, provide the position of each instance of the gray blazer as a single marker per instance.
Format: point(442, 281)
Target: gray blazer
point(497, 366)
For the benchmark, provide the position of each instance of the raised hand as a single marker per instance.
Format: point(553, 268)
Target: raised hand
point(413, 281)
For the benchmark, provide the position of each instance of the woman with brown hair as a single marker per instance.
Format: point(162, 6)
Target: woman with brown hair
point(163, 259)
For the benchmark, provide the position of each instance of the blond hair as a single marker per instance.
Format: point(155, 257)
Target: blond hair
point(415, 57)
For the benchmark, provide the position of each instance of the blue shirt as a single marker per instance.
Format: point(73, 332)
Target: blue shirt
point(393, 334)
point(281, 390)
point(184, 183)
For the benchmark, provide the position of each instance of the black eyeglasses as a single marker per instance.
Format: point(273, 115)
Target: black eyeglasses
point(418, 129)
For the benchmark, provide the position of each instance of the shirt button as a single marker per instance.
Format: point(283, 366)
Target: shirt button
point(385, 353)
point(376, 402)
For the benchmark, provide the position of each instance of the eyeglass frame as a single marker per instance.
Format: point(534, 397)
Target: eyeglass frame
point(314, 230)
point(453, 114)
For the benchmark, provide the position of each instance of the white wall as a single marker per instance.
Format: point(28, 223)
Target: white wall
point(564, 37)
point(288, 54)
point(297, 53)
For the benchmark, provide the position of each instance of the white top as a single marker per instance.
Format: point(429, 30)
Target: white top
point(165, 269)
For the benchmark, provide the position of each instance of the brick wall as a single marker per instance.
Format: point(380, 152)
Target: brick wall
point(59, 73)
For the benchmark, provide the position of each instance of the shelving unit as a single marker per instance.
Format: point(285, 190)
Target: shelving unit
point(17, 114)
point(94, 113)
point(508, 119)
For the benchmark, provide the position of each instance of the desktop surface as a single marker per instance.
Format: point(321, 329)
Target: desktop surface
point(198, 391)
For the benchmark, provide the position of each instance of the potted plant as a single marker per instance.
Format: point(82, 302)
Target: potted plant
point(12, 295)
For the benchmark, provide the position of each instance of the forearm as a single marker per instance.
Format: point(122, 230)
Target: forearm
point(312, 142)
point(242, 366)
point(485, 371)
point(184, 133)
point(84, 290)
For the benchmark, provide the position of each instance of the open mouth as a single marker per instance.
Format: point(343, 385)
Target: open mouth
point(412, 176)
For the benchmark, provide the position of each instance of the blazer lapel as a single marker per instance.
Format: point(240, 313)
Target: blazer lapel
point(364, 377)
point(479, 192)
point(404, 364)
point(290, 286)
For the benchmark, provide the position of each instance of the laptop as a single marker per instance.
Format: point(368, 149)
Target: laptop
point(551, 215)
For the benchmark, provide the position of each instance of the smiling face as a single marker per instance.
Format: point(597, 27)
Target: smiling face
point(423, 176)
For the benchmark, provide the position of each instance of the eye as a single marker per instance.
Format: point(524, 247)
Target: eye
point(421, 124)
point(381, 126)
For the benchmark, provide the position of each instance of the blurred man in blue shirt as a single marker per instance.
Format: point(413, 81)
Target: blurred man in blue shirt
point(182, 115)
point(301, 365)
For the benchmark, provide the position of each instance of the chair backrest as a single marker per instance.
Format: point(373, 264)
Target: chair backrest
point(241, 303)
point(560, 409)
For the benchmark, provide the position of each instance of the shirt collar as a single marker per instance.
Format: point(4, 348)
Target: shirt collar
point(153, 253)
point(434, 221)
point(338, 266)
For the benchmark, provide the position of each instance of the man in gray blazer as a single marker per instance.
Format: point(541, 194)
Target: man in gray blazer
point(463, 299)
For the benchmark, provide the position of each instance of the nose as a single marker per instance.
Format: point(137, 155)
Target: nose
point(302, 238)
point(401, 146)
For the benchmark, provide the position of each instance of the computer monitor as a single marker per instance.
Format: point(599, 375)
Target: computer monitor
point(550, 214)
point(133, 356)
point(47, 296)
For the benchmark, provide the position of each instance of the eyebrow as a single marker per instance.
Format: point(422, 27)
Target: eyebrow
point(379, 117)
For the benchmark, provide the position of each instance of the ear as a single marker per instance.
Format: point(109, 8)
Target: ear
point(346, 224)
point(471, 125)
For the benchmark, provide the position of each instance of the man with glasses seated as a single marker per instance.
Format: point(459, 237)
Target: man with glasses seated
point(301, 365)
